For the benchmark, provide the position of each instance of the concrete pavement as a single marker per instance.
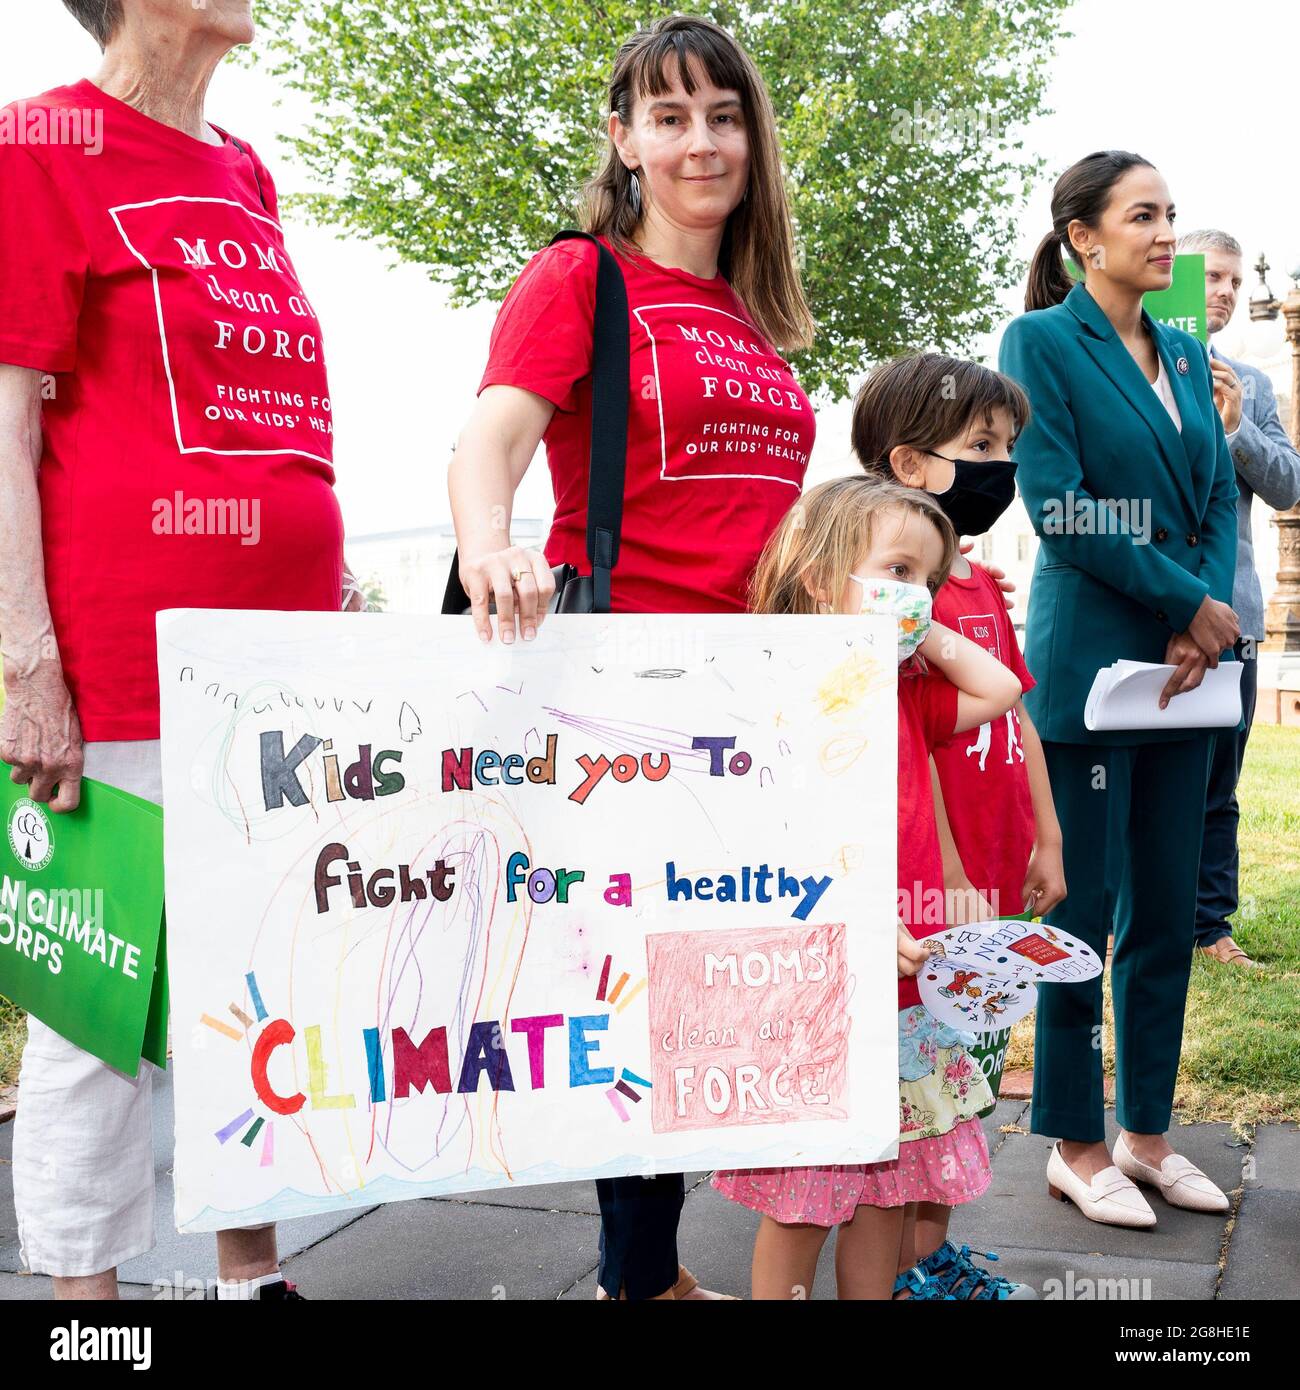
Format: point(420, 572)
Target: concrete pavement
point(540, 1242)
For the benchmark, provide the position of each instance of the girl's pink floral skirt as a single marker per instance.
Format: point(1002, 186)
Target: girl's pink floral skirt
point(942, 1156)
point(950, 1170)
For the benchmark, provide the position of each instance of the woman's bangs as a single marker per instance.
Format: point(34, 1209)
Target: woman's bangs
point(684, 54)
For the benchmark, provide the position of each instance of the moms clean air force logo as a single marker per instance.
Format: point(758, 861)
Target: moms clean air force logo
point(239, 338)
point(31, 836)
point(728, 405)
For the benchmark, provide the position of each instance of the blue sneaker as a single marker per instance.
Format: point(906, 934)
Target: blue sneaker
point(962, 1279)
point(921, 1287)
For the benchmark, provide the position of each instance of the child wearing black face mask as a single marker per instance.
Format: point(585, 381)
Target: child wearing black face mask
point(947, 426)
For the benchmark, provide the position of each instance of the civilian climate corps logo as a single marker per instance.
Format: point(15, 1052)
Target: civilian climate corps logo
point(31, 837)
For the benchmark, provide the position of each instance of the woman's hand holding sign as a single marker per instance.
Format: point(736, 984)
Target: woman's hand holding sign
point(518, 581)
point(40, 735)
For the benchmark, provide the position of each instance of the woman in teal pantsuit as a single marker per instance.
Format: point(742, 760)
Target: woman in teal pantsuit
point(1127, 478)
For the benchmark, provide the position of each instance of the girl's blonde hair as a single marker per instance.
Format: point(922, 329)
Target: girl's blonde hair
point(820, 540)
point(757, 254)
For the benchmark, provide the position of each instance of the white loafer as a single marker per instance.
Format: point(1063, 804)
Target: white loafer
point(1181, 1182)
point(1109, 1198)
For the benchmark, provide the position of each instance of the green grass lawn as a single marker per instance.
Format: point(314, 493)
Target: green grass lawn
point(1241, 1045)
point(13, 1033)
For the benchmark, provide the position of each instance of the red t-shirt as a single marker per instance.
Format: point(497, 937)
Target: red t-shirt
point(927, 715)
point(982, 772)
point(719, 432)
point(188, 441)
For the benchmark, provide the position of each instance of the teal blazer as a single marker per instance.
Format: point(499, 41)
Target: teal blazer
point(1137, 522)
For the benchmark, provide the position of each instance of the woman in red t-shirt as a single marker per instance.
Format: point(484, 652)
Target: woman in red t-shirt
point(691, 201)
point(166, 441)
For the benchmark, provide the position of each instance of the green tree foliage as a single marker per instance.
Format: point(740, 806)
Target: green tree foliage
point(458, 132)
point(376, 598)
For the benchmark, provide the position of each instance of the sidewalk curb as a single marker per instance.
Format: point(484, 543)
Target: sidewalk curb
point(1018, 1084)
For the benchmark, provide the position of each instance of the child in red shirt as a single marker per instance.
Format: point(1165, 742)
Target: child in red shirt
point(946, 426)
point(853, 546)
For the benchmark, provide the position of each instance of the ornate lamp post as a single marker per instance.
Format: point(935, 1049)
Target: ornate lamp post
point(1280, 666)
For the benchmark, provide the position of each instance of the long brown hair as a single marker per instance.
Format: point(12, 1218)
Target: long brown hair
point(1081, 194)
point(821, 537)
point(757, 252)
point(925, 399)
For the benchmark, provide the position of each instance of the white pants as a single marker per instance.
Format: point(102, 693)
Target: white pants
point(83, 1134)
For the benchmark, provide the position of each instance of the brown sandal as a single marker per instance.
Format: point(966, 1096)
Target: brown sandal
point(1227, 952)
point(687, 1287)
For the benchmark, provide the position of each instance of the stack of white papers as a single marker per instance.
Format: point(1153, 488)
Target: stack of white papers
point(1127, 696)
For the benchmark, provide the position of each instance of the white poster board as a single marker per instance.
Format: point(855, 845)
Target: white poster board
point(445, 916)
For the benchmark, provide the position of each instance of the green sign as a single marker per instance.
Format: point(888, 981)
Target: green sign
point(1182, 305)
point(81, 913)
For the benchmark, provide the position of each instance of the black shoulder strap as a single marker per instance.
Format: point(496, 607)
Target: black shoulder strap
point(610, 370)
point(257, 179)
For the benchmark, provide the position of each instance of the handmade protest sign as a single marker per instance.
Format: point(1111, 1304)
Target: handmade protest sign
point(989, 1050)
point(446, 916)
point(984, 977)
point(80, 919)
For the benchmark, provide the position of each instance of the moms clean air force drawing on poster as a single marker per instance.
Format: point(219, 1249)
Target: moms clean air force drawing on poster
point(445, 916)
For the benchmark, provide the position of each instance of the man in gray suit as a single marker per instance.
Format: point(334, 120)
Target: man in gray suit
point(1268, 466)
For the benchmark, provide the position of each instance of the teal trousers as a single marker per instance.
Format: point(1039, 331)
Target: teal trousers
point(1132, 820)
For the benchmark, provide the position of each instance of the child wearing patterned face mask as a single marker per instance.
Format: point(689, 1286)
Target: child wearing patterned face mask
point(946, 427)
point(854, 546)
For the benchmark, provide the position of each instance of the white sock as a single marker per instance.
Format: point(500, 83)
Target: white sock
point(246, 1289)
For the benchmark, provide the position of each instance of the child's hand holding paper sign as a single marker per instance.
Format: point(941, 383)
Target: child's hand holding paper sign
point(987, 976)
point(911, 954)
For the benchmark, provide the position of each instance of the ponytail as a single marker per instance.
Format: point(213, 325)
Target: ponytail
point(1081, 195)
point(1049, 281)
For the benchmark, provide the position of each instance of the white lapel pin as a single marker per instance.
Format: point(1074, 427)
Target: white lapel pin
point(1181, 364)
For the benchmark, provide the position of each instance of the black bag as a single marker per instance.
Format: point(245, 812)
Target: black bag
point(610, 354)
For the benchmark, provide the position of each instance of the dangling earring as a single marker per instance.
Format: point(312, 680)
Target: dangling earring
point(636, 195)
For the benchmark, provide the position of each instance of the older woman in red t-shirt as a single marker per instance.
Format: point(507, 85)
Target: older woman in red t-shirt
point(691, 201)
point(165, 442)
